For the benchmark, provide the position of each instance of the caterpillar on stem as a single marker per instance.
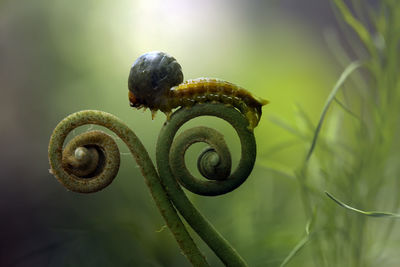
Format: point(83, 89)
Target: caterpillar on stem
point(156, 82)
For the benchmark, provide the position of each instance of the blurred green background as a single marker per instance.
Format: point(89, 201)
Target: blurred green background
point(59, 57)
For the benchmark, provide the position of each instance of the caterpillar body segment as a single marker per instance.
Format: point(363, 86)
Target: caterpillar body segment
point(204, 90)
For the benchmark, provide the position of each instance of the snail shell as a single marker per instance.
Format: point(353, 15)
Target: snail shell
point(151, 77)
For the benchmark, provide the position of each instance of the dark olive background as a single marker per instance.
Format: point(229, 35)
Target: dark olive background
point(59, 57)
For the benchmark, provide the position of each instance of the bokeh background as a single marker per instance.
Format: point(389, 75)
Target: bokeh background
point(58, 57)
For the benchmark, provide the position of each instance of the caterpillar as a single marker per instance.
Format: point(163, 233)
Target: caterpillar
point(156, 82)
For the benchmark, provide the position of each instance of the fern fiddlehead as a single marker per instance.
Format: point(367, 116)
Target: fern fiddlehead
point(89, 184)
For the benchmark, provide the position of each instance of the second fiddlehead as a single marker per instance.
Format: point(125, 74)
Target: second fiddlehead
point(223, 181)
point(171, 167)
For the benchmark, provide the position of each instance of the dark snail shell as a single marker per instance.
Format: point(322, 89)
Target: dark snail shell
point(151, 77)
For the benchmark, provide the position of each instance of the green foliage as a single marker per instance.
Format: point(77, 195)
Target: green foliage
point(357, 150)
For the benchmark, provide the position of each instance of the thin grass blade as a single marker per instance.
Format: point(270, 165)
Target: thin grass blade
point(356, 25)
point(301, 244)
point(353, 66)
point(295, 250)
point(377, 214)
point(346, 109)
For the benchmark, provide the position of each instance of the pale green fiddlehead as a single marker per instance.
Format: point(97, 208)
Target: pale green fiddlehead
point(108, 167)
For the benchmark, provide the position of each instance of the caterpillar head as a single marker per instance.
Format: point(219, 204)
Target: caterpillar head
point(151, 77)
